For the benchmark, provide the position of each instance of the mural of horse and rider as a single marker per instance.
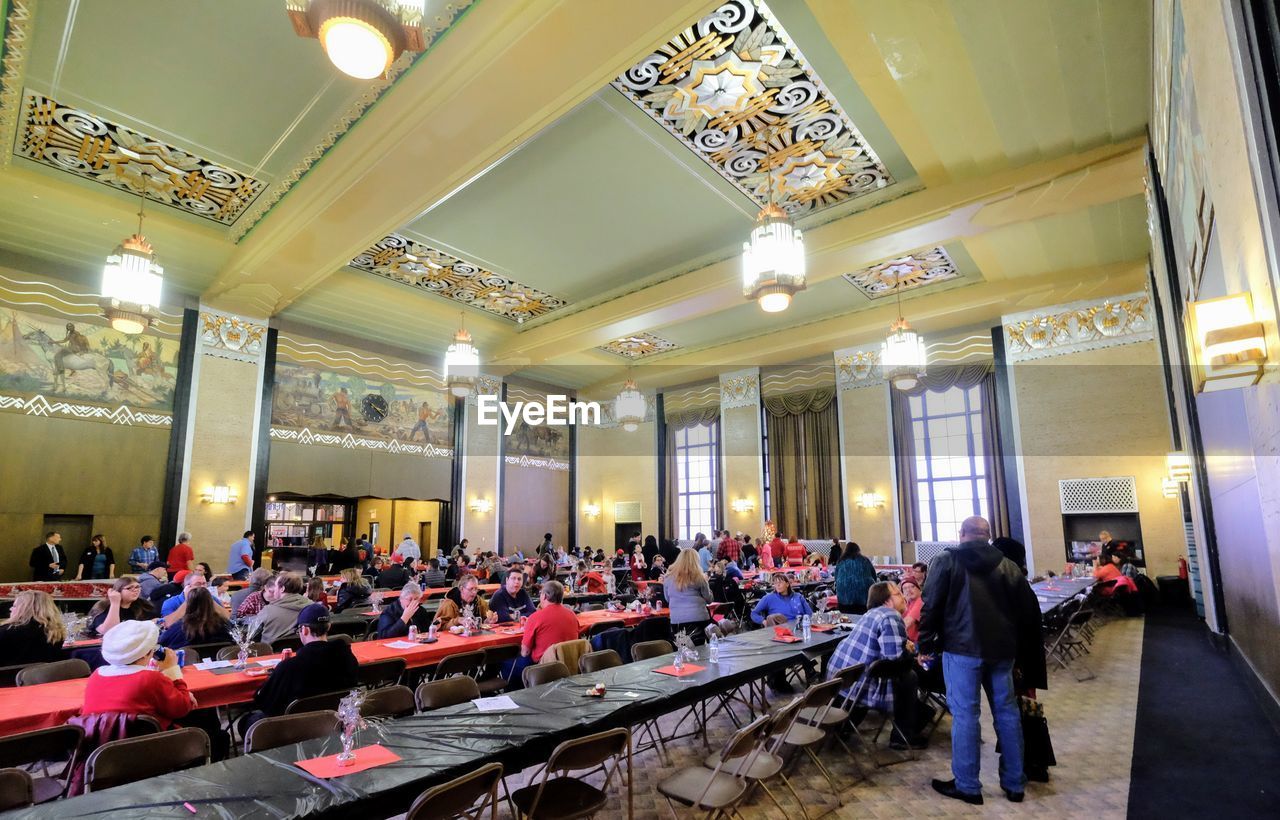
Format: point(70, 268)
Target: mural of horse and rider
point(77, 359)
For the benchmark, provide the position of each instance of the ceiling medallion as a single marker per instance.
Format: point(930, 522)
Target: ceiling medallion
point(421, 266)
point(81, 143)
point(362, 38)
point(916, 269)
point(639, 345)
point(726, 81)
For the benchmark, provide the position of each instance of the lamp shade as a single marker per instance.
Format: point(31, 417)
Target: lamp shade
point(903, 356)
point(131, 282)
point(629, 406)
point(362, 38)
point(773, 266)
point(461, 364)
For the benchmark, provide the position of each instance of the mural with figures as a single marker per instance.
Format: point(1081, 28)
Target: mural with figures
point(330, 402)
point(539, 442)
point(76, 360)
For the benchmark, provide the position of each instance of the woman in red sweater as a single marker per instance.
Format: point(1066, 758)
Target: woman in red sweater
point(130, 684)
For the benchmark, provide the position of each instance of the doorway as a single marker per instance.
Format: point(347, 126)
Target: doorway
point(622, 532)
point(424, 539)
point(76, 531)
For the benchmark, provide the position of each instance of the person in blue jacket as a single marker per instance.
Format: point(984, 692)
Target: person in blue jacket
point(782, 604)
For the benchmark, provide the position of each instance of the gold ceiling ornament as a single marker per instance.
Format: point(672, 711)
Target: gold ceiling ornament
point(903, 355)
point(418, 265)
point(1078, 326)
point(639, 345)
point(734, 75)
point(81, 143)
point(131, 280)
point(913, 270)
point(362, 38)
point(773, 265)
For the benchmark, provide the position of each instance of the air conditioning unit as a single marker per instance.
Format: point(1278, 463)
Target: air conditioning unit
point(1116, 494)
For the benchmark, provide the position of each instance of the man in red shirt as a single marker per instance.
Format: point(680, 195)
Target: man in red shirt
point(551, 624)
point(795, 552)
point(777, 549)
point(181, 555)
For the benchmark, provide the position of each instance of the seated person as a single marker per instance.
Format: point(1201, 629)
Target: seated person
point(316, 593)
point(881, 634)
point(123, 603)
point(252, 603)
point(512, 601)
point(154, 576)
point(590, 581)
point(203, 621)
point(553, 623)
point(1107, 572)
point(781, 605)
point(451, 611)
point(658, 568)
point(257, 580)
point(373, 569)
point(128, 685)
point(393, 576)
point(164, 591)
point(34, 631)
point(399, 614)
point(319, 666)
point(354, 591)
point(433, 576)
point(911, 614)
point(195, 578)
point(284, 600)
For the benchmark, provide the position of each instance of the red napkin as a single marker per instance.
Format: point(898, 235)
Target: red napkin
point(782, 632)
point(367, 757)
point(786, 639)
point(689, 669)
point(822, 627)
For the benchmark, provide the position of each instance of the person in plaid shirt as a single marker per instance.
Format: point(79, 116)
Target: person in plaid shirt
point(730, 549)
point(881, 634)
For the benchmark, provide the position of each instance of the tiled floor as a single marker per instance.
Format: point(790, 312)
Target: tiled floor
point(1091, 723)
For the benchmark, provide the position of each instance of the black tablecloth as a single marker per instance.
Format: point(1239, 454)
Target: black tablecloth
point(440, 745)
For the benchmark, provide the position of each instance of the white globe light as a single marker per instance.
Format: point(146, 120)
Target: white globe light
point(775, 302)
point(903, 356)
point(629, 407)
point(773, 265)
point(356, 47)
point(461, 364)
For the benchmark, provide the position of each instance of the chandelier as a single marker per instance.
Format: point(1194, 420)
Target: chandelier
point(362, 37)
point(461, 364)
point(629, 406)
point(773, 258)
point(903, 356)
point(131, 280)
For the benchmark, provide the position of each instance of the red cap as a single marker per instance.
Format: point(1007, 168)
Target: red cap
point(180, 574)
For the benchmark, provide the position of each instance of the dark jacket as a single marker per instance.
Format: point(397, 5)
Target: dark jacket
point(390, 625)
point(978, 603)
point(509, 608)
point(393, 577)
point(40, 561)
point(352, 596)
point(87, 558)
point(176, 637)
point(316, 668)
point(162, 593)
point(27, 643)
point(669, 552)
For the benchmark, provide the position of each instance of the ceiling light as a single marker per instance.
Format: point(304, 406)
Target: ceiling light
point(461, 364)
point(361, 37)
point(1229, 346)
point(629, 406)
point(773, 268)
point(131, 280)
point(903, 356)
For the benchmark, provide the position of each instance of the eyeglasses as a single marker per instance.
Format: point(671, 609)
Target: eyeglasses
point(134, 586)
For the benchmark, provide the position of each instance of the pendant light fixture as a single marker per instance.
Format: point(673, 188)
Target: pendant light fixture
point(131, 280)
point(629, 406)
point(903, 356)
point(461, 362)
point(361, 37)
point(773, 258)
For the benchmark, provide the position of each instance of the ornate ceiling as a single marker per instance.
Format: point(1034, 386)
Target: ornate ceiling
point(903, 273)
point(639, 346)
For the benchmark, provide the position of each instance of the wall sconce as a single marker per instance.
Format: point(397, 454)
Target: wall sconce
point(743, 505)
point(1179, 464)
point(1230, 347)
point(218, 494)
point(591, 510)
point(1171, 487)
point(481, 505)
point(869, 501)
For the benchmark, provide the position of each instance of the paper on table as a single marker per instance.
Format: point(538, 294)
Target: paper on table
point(402, 645)
point(498, 703)
point(206, 665)
point(270, 662)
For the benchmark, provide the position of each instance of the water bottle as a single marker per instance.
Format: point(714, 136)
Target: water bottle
point(713, 652)
point(182, 657)
point(413, 632)
point(805, 631)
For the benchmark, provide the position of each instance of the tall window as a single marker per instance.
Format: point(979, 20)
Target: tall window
point(950, 468)
point(697, 453)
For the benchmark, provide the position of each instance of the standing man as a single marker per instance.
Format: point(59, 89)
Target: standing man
point(181, 556)
point(409, 550)
point(977, 605)
point(342, 408)
point(48, 561)
point(143, 555)
point(240, 561)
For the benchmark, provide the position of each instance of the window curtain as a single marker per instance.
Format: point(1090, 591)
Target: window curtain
point(804, 463)
point(678, 420)
point(939, 380)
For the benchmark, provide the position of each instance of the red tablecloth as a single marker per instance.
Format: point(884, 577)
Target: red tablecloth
point(59, 589)
point(50, 704)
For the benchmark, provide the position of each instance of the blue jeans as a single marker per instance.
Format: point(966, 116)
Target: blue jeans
point(966, 676)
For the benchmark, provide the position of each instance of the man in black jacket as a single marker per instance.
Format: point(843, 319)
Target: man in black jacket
point(978, 607)
point(319, 666)
point(48, 561)
point(407, 610)
point(393, 577)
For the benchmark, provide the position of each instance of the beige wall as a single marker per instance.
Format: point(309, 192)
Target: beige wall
point(868, 467)
point(71, 467)
point(1096, 414)
point(395, 518)
point(480, 482)
point(614, 465)
point(743, 467)
point(534, 501)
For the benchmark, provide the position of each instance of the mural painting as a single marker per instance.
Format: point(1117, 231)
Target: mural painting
point(75, 359)
point(318, 400)
point(539, 441)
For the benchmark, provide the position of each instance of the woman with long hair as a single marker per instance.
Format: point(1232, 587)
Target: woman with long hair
point(854, 576)
point(688, 593)
point(34, 631)
point(316, 591)
point(124, 602)
point(98, 560)
point(204, 621)
point(354, 591)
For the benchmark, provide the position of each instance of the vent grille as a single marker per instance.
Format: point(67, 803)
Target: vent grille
point(928, 550)
point(627, 512)
point(1117, 494)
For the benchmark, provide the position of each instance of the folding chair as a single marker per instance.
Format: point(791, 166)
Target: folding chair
point(437, 694)
point(118, 762)
point(39, 673)
point(718, 790)
point(46, 749)
point(492, 681)
point(838, 715)
point(386, 672)
point(317, 703)
point(540, 673)
point(651, 649)
point(598, 661)
point(881, 669)
point(806, 736)
point(765, 760)
point(16, 791)
point(273, 732)
point(563, 797)
point(230, 653)
point(460, 663)
point(388, 702)
point(458, 797)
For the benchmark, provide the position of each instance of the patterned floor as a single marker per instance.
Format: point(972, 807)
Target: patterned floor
point(1091, 723)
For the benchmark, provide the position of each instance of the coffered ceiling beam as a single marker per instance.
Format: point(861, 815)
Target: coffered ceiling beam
point(503, 73)
point(926, 218)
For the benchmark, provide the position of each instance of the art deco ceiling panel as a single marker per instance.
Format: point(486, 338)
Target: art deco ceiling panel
point(915, 270)
point(94, 148)
point(639, 345)
point(412, 263)
point(734, 89)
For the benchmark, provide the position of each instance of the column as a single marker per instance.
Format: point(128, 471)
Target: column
point(741, 450)
point(867, 467)
point(481, 468)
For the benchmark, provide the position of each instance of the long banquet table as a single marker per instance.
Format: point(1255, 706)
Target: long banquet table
point(442, 744)
point(50, 704)
point(1054, 592)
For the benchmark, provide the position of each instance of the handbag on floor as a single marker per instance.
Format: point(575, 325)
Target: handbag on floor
point(1037, 747)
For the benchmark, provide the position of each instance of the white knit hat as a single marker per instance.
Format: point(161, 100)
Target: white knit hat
point(128, 641)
